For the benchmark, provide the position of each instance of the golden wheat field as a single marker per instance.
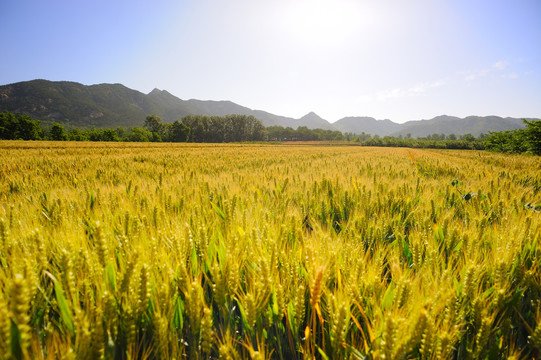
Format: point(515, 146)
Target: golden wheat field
point(130, 251)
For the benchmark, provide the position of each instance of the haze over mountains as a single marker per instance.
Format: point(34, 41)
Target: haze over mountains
point(113, 105)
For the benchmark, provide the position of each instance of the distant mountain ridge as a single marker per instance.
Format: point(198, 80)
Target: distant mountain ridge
point(367, 125)
point(444, 124)
point(113, 105)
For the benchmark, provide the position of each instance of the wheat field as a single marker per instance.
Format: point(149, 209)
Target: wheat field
point(158, 251)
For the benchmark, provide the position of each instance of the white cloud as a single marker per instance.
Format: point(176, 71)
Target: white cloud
point(476, 74)
point(512, 75)
point(497, 66)
point(389, 94)
point(500, 65)
point(415, 90)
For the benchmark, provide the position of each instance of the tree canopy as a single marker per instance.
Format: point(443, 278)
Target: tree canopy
point(239, 128)
point(19, 126)
point(527, 140)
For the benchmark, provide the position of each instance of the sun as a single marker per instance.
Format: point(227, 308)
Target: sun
point(322, 21)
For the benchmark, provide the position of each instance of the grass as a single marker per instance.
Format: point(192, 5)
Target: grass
point(267, 251)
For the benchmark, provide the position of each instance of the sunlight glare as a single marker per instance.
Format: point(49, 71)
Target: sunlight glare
point(323, 21)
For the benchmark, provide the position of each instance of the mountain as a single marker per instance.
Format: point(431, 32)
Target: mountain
point(113, 105)
point(313, 121)
point(444, 124)
point(269, 119)
point(75, 104)
point(367, 125)
point(170, 107)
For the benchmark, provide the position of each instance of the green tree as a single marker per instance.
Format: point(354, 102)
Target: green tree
point(109, 135)
point(154, 124)
point(236, 125)
point(8, 123)
point(198, 125)
point(467, 137)
point(532, 136)
point(19, 126)
point(28, 129)
point(275, 133)
point(94, 134)
point(77, 135)
point(137, 134)
point(218, 129)
point(516, 141)
point(256, 129)
point(58, 133)
point(180, 132)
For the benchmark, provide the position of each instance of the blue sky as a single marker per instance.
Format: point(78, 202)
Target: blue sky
point(395, 59)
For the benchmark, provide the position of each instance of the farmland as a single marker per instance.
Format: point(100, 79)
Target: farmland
point(126, 250)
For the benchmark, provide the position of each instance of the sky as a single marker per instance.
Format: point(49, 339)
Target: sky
point(388, 59)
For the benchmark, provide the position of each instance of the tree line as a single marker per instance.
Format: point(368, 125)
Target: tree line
point(201, 128)
point(240, 128)
point(19, 126)
point(191, 128)
point(465, 142)
point(230, 128)
point(527, 140)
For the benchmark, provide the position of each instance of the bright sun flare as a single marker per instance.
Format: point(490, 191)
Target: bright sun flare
point(322, 21)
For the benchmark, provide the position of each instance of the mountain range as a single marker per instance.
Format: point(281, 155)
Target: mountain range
point(114, 105)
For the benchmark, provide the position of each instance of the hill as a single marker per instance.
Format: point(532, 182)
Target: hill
point(367, 125)
point(444, 124)
point(313, 121)
point(78, 105)
point(113, 105)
